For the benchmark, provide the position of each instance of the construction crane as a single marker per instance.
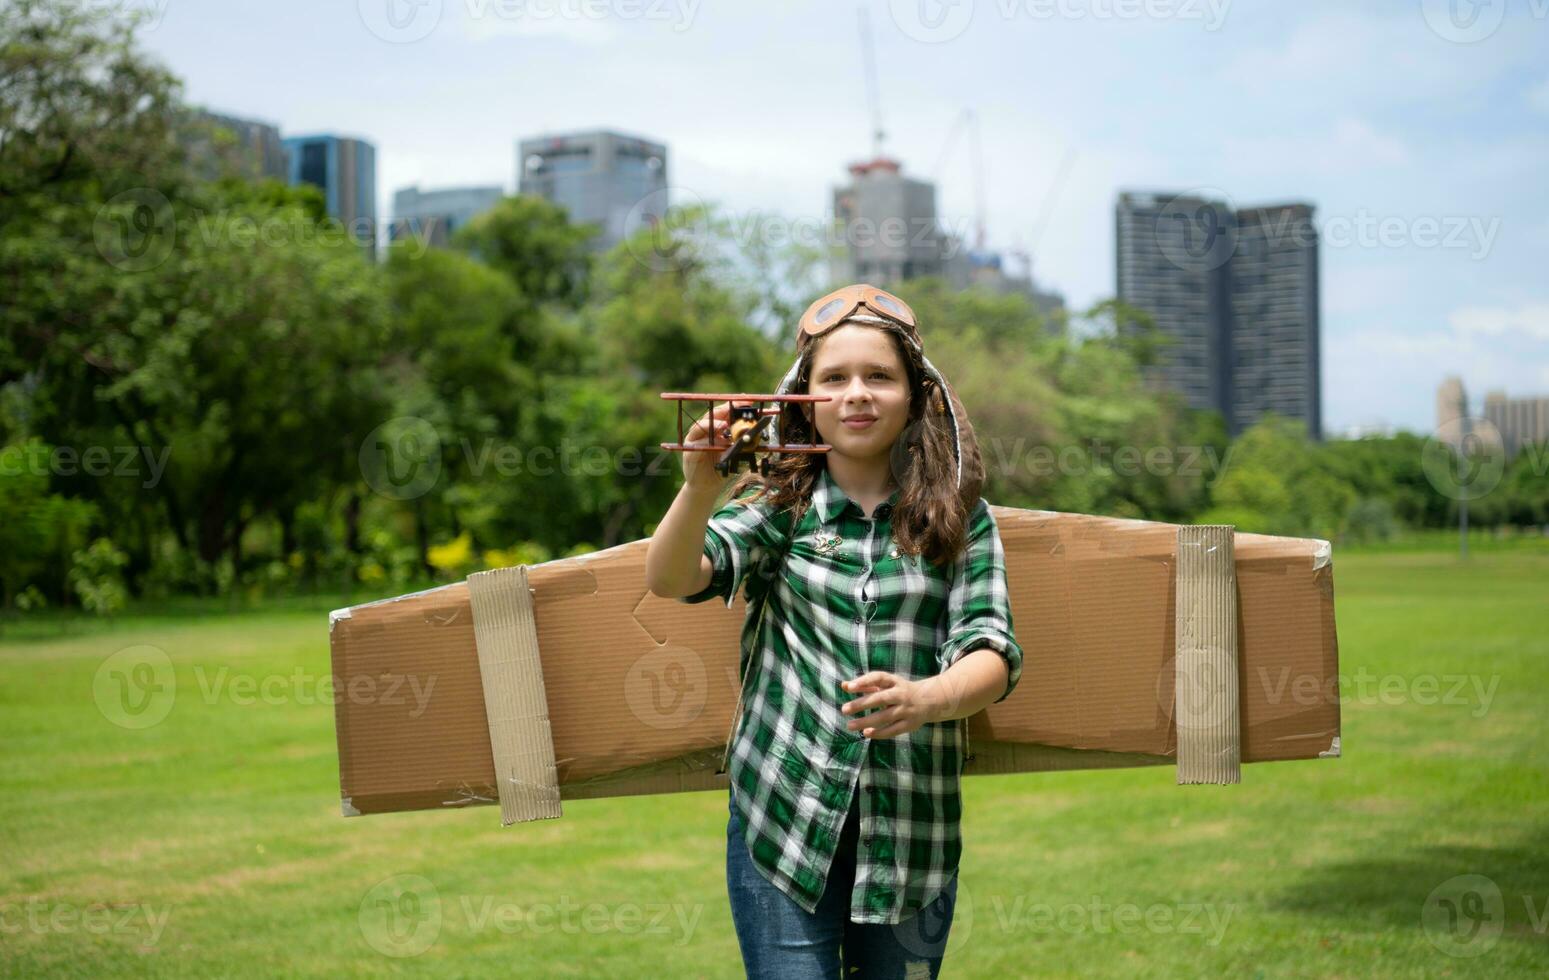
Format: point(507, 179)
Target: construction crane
point(968, 121)
point(873, 94)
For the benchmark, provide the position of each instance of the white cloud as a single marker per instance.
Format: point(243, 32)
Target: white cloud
point(1532, 320)
point(1538, 96)
point(1349, 145)
point(1349, 57)
point(488, 20)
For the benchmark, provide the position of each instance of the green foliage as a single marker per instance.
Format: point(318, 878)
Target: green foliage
point(1277, 481)
point(529, 240)
point(39, 530)
point(97, 577)
point(240, 368)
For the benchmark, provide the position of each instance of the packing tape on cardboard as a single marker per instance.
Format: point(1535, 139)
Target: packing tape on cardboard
point(506, 633)
point(1205, 669)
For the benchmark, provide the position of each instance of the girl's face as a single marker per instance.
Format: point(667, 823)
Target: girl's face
point(859, 367)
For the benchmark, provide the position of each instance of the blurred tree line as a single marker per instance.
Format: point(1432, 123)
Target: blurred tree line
point(206, 387)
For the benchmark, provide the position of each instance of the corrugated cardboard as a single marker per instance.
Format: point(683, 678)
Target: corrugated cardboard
point(639, 689)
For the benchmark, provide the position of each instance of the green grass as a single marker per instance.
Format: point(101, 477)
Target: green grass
point(224, 818)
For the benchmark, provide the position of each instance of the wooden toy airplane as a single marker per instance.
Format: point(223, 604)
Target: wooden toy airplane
point(745, 425)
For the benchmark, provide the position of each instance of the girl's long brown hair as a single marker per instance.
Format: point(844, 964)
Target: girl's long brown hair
point(931, 515)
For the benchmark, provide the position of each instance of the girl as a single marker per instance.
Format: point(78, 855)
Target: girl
point(878, 622)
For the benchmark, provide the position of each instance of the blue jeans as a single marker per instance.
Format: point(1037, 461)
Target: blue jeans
point(780, 939)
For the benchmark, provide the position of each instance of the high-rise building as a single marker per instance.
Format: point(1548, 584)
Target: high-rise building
point(432, 216)
point(1451, 403)
point(1520, 421)
point(614, 181)
point(887, 229)
point(255, 149)
point(345, 169)
point(1236, 292)
point(987, 271)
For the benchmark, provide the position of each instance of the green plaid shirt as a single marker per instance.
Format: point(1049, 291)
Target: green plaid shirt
point(845, 602)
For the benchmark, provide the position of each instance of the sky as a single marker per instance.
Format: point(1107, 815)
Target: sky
point(1418, 130)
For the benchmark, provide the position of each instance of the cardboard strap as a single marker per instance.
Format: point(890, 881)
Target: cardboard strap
point(506, 632)
point(1205, 678)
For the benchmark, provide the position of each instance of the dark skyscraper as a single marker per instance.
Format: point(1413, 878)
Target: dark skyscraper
point(1237, 293)
point(345, 170)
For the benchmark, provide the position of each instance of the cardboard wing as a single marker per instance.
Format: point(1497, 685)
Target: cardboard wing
point(1146, 643)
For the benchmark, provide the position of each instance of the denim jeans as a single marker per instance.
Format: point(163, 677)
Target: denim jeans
point(780, 939)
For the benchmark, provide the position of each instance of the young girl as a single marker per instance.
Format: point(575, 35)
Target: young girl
point(878, 621)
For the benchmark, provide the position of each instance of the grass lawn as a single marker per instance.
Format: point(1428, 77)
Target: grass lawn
point(211, 842)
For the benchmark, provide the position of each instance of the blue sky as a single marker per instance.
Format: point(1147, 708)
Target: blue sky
point(1419, 129)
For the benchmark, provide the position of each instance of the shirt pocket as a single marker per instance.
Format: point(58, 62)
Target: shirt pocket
point(824, 569)
point(909, 589)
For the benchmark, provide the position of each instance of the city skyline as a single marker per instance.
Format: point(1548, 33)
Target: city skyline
point(1417, 147)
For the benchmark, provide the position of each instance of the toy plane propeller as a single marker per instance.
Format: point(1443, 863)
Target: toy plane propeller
point(747, 425)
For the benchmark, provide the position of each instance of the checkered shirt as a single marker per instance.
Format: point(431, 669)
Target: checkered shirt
point(843, 602)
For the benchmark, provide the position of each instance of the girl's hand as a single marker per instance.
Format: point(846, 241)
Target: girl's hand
point(699, 467)
point(905, 704)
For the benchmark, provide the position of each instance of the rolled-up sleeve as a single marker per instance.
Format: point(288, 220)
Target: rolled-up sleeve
point(979, 605)
point(734, 537)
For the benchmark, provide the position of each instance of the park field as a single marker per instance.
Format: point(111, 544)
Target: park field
point(169, 807)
